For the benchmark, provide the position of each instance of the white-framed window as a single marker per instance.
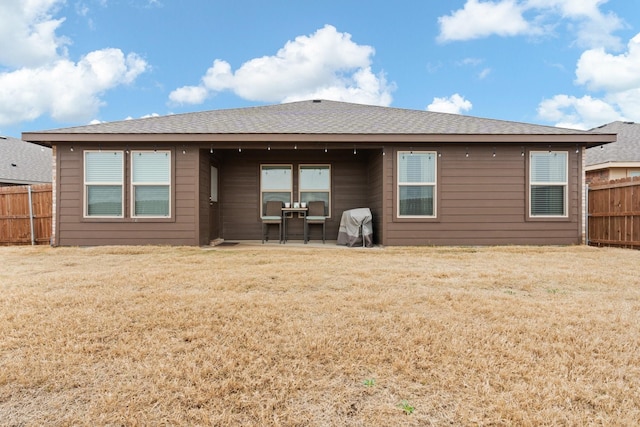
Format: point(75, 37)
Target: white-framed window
point(151, 184)
point(548, 183)
point(276, 183)
point(314, 184)
point(103, 184)
point(416, 192)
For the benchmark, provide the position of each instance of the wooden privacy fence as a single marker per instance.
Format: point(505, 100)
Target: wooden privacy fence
point(614, 213)
point(25, 214)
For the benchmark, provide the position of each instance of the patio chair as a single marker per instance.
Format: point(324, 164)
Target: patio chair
point(315, 216)
point(272, 215)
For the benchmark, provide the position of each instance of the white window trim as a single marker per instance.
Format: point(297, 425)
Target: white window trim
point(85, 209)
point(434, 184)
point(132, 193)
point(282, 190)
point(565, 184)
point(301, 190)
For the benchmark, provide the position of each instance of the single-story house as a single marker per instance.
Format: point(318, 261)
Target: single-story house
point(22, 163)
point(428, 178)
point(620, 159)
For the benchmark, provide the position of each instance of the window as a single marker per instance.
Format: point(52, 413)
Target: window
point(315, 184)
point(416, 184)
point(548, 183)
point(103, 184)
point(275, 184)
point(151, 183)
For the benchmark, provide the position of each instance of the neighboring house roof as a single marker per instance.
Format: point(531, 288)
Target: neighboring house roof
point(24, 163)
point(317, 117)
point(625, 150)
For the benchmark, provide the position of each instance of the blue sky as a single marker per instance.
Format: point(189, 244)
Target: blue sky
point(570, 63)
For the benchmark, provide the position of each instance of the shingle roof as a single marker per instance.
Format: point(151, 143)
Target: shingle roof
point(317, 117)
point(24, 163)
point(625, 149)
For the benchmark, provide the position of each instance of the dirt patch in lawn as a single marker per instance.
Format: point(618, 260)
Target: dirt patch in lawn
point(275, 336)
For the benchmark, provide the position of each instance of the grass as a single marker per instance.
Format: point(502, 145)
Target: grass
point(296, 336)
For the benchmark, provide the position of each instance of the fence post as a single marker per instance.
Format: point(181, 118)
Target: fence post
point(586, 216)
point(33, 238)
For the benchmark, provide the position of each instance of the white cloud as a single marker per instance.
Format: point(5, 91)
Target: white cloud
point(617, 76)
point(364, 88)
point(484, 73)
point(599, 70)
point(27, 32)
point(325, 64)
point(474, 62)
point(146, 116)
point(455, 104)
point(189, 95)
point(577, 113)
point(628, 102)
point(593, 27)
point(65, 90)
point(479, 19)
point(40, 78)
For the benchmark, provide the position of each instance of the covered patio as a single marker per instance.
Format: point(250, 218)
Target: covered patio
point(241, 190)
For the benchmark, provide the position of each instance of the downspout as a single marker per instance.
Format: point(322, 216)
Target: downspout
point(33, 238)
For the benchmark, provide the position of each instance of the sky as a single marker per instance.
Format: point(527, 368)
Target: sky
point(567, 63)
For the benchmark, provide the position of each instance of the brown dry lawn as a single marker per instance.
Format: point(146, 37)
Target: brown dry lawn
point(307, 336)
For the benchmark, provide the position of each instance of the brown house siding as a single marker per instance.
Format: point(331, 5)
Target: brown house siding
point(204, 192)
point(74, 230)
point(482, 200)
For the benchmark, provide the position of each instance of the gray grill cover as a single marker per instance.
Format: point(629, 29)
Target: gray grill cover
point(351, 223)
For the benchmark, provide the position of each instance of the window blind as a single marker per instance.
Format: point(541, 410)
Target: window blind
point(151, 166)
point(105, 166)
point(548, 167)
point(315, 178)
point(276, 178)
point(417, 168)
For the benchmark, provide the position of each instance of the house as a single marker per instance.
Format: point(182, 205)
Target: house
point(22, 163)
point(428, 178)
point(620, 159)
